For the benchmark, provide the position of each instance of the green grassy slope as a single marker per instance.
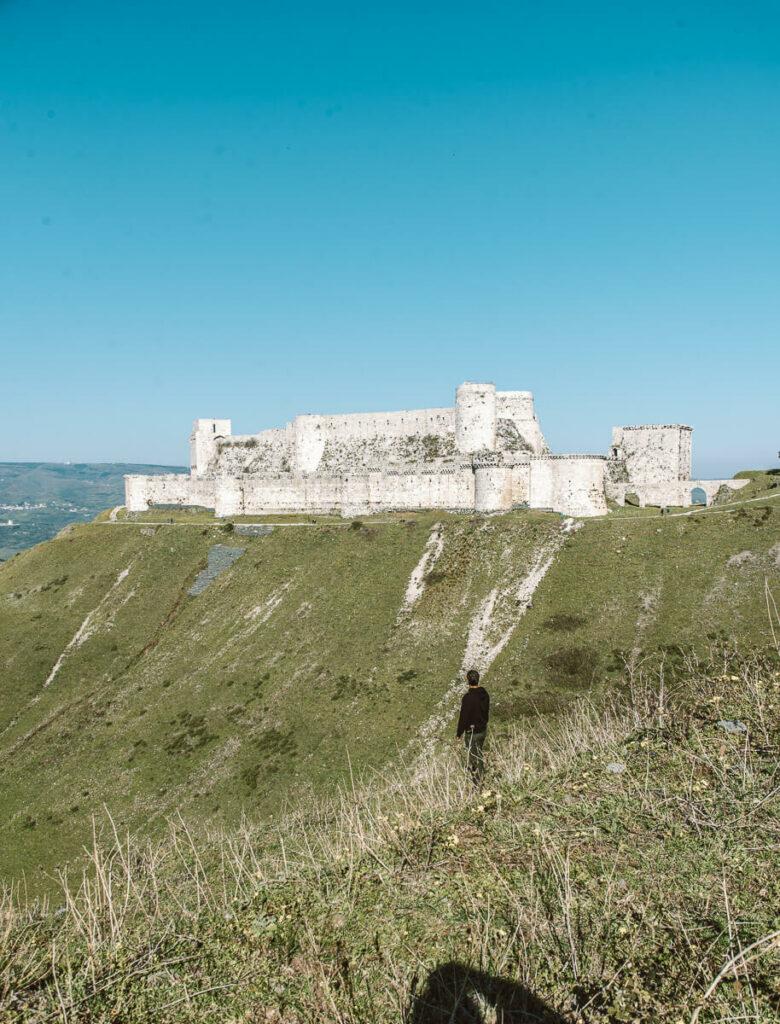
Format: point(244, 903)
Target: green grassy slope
point(300, 661)
point(619, 870)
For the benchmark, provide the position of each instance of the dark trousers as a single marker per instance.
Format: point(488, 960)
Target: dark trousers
point(475, 742)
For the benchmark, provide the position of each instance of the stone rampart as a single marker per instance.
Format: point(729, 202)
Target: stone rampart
point(168, 489)
point(486, 453)
point(517, 427)
point(571, 484)
point(353, 493)
point(205, 440)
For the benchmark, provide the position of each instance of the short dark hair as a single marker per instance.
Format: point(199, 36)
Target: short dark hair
point(472, 677)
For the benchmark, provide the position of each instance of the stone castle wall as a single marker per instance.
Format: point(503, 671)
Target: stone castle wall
point(573, 484)
point(168, 489)
point(482, 419)
point(205, 440)
point(486, 453)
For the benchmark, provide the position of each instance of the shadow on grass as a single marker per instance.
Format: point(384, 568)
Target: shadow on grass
point(457, 994)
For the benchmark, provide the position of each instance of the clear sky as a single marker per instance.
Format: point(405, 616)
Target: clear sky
point(255, 209)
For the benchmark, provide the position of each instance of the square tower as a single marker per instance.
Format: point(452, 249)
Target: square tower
point(203, 444)
point(654, 453)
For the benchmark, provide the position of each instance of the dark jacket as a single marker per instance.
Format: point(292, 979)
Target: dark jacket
point(474, 710)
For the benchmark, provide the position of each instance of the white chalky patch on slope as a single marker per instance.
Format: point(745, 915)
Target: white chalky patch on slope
point(482, 645)
point(480, 652)
point(256, 616)
point(264, 611)
point(87, 628)
point(109, 623)
point(416, 585)
point(743, 558)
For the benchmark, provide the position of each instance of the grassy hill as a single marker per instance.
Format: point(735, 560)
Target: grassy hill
point(326, 649)
point(619, 869)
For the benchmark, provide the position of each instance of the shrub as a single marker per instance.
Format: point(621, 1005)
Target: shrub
point(346, 686)
point(575, 666)
point(407, 676)
point(434, 577)
point(561, 622)
point(192, 734)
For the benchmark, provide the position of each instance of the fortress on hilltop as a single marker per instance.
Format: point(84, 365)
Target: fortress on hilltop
point(485, 454)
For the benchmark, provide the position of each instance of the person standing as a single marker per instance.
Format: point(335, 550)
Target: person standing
point(473, 723)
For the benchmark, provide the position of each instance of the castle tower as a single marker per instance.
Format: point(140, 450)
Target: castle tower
point(492, 483)
point(654, 453)
point(475, 417)
point(203, 444)
point(517, 425)
point(308, 443)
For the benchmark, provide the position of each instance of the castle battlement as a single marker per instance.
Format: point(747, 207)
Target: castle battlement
point(486, 453)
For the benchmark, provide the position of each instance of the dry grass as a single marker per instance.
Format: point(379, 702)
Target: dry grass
point(614, 896)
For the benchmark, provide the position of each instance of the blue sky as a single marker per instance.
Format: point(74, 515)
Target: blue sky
point(255, 209)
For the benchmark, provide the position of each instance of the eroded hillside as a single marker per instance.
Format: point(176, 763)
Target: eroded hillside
point(322, 649)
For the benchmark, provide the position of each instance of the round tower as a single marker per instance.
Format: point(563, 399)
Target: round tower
point(492, 484)
point(475, 417)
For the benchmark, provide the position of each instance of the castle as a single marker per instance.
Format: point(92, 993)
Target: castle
point(485, 454)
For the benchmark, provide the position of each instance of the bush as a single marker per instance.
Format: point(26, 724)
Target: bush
point(575, 666)
point(563, 623)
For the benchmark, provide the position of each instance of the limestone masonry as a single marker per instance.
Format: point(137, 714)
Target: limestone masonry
point(485, 454)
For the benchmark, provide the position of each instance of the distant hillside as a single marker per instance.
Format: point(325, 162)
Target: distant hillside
point(320, 648)
point(42, 497)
